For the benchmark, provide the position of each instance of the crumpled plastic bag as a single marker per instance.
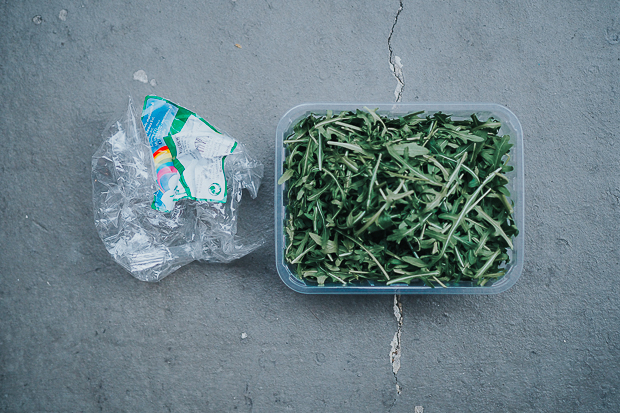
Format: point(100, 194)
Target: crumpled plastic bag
point(151, 244)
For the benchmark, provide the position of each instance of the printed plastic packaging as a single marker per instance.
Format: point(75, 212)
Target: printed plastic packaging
point(152, 238)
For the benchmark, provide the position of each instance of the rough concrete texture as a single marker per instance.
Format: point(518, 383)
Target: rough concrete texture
point(78, 333)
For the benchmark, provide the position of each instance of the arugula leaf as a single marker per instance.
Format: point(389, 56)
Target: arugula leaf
point(502, 146)
point(286, 176)
point(413, 149)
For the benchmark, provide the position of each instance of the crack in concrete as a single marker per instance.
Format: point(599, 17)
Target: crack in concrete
point(395, 351)
point(395, 65)
point(397, 70)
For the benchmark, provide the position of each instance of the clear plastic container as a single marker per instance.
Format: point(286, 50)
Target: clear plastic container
point(510, 126)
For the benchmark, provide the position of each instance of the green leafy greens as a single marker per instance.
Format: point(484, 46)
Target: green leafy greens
point(373, 200)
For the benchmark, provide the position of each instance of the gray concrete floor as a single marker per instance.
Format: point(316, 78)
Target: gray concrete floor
point(78, 333)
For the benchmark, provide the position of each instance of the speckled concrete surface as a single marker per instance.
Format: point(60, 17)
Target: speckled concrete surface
point(78, 333)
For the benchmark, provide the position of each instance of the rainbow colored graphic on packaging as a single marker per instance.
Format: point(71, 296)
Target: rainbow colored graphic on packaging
point(166, 172)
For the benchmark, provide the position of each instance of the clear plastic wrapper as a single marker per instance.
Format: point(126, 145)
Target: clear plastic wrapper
point(151, 244)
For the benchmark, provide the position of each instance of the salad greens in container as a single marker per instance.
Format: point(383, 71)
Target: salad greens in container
point(405, 198)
